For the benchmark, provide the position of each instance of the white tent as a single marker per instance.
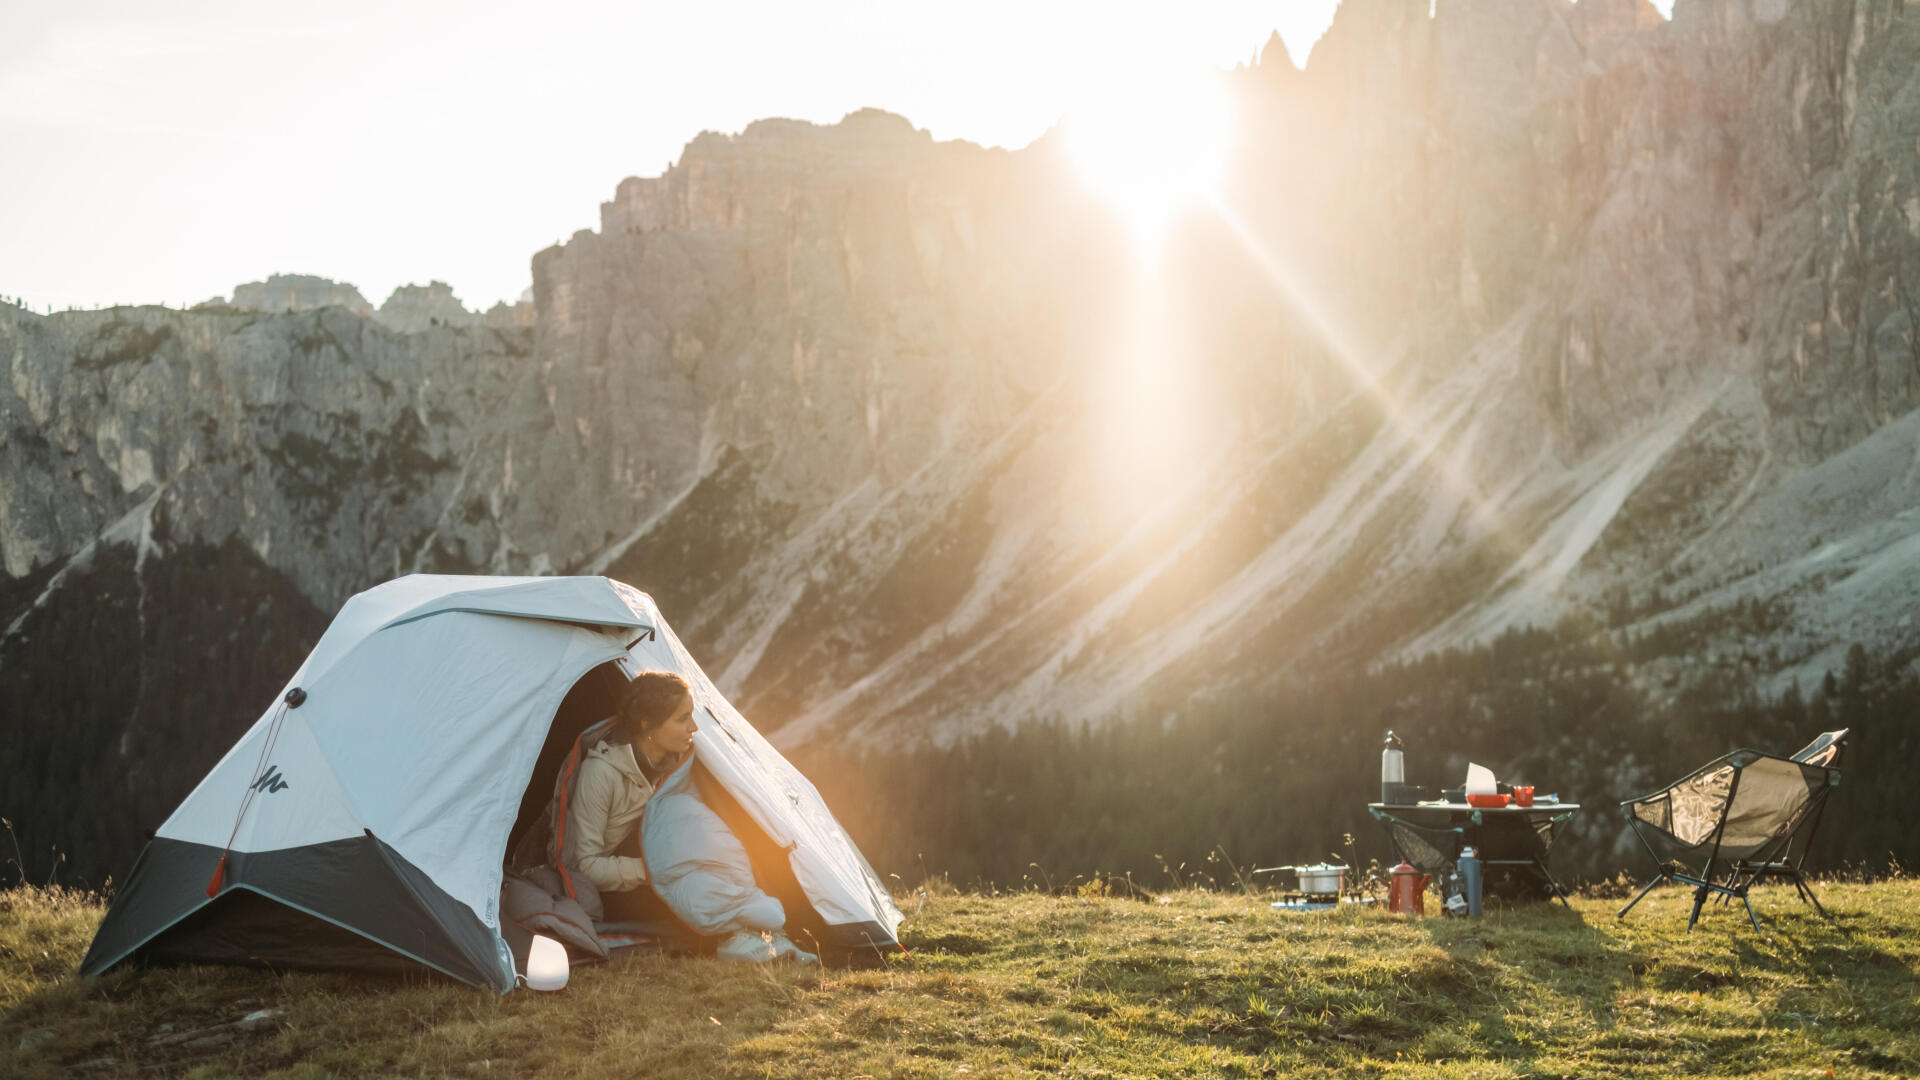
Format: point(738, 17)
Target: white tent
point(362, 821)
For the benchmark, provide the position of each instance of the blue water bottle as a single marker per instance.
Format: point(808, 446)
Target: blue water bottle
point(1470, 880)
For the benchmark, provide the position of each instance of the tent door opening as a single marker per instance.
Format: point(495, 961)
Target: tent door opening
point(592, 699)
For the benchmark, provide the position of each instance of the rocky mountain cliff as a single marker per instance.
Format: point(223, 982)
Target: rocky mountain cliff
point(1519, 312)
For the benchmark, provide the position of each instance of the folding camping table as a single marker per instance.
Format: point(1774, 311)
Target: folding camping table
point(1511, 839)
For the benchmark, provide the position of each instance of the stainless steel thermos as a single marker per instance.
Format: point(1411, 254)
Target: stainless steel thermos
point(1393, 770)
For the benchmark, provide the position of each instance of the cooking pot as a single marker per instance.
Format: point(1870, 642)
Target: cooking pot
point(1322, 879)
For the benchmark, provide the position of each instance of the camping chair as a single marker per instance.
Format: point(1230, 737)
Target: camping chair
point(1750, 813)
point(1787, 862)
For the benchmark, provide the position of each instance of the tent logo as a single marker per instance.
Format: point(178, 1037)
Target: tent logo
point(271, 782)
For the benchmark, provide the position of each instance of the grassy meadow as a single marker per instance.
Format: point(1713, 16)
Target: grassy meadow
point(1034, 984)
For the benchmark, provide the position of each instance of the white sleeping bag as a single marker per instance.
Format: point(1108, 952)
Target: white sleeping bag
point(698, 866)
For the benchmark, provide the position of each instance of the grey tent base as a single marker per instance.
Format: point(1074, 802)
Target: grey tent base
point(350, 904)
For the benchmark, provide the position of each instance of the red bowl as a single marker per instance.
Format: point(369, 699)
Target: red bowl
point(1488, 800)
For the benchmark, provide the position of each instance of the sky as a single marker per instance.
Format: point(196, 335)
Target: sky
point(164, 151)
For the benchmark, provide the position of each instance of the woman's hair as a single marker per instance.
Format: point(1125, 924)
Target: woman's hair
point(649, 700)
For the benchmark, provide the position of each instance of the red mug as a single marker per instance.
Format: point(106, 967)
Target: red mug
point(1523, 796)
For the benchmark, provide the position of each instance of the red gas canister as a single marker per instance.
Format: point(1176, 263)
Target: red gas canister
point(1407, 894)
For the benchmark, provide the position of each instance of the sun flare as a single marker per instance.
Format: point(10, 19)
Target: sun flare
point(1153, 145)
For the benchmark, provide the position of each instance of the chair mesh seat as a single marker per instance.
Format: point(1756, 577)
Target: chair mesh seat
point(1690, 810)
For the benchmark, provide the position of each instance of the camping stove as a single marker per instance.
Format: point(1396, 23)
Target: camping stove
point(1301, 901)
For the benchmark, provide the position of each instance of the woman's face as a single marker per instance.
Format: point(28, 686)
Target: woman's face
point(676, 734)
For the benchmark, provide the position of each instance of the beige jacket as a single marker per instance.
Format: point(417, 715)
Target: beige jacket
point(604, 812)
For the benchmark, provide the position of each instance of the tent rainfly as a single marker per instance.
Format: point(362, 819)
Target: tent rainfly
point(363, 820)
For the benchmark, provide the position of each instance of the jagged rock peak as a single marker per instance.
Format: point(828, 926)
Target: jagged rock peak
point(409, 309)
point(684, 196)
point(1275, 59)
point(299, 292)
point(861, 123)
point(413, 308)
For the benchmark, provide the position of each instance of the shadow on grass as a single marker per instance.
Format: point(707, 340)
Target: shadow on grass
point(1614, 977)
point(168, 1021)
point(685, 1016)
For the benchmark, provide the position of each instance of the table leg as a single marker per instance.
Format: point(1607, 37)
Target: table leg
point(1561, 894)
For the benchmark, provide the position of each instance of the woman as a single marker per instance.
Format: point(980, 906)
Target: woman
point(651, 734)
point(652, 731)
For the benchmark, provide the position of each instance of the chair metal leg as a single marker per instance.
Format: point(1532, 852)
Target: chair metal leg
point(1750, 914)
point(1699, 901)
point(1807, 891)
point(1643, 892)
point(1736, 885)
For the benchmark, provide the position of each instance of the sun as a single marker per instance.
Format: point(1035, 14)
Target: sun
point(1153, 145)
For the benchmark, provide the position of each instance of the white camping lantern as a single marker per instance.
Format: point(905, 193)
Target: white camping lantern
point(546, 964)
